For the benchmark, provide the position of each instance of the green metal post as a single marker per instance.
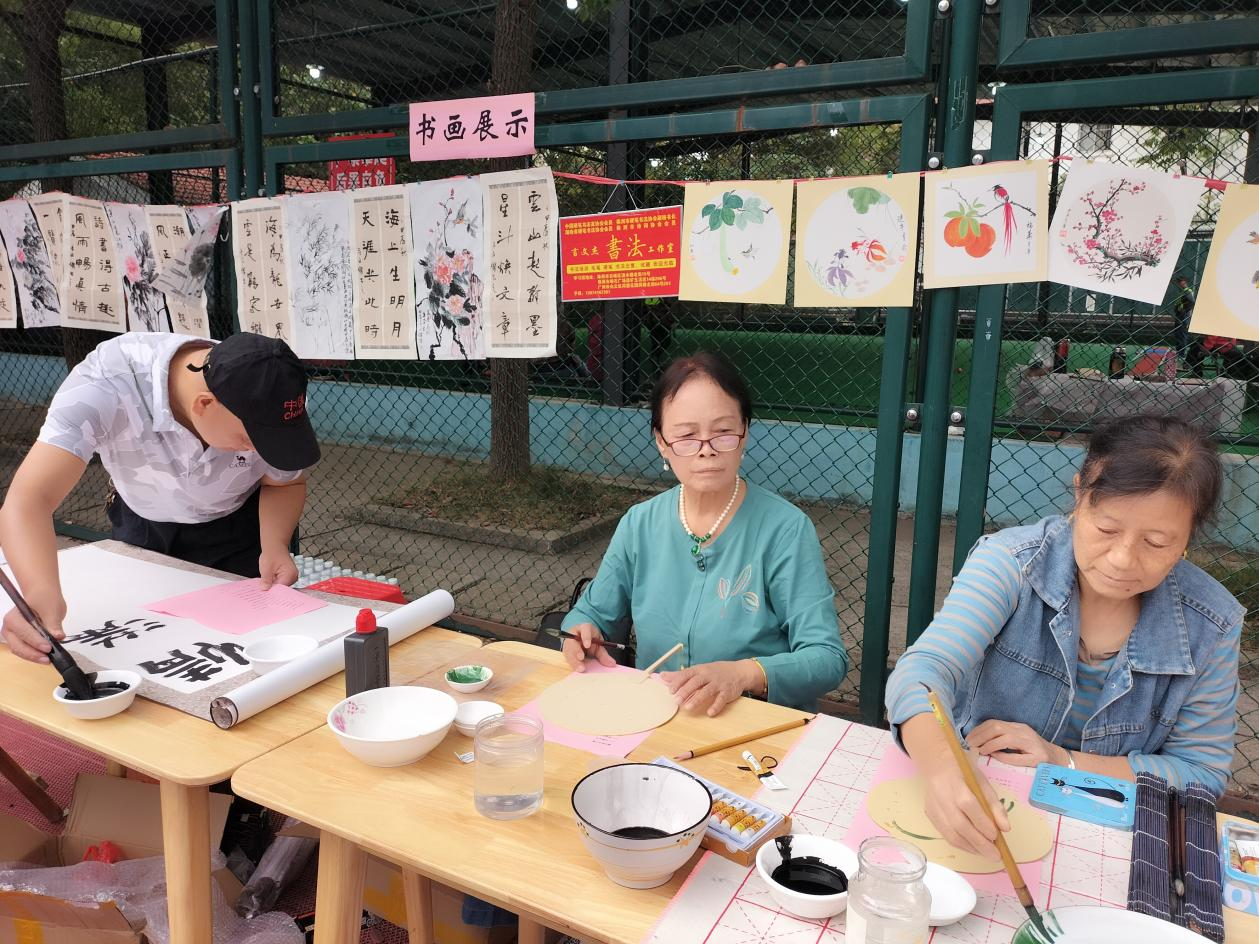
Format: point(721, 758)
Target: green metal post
point(885, 500)
point(251, 118)
point(225, 30)
point(941, 330)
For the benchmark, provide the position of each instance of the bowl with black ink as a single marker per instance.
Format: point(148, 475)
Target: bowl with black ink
point(642, 822)
point(117, 690)
point(804, 893)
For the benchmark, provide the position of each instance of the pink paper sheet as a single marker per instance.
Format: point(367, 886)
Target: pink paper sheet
point(896, 765)
point(239, 607)
point(603, 745)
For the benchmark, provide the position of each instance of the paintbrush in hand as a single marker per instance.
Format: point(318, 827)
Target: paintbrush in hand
point(972, 781)
point(595, 641)
point(78, 683)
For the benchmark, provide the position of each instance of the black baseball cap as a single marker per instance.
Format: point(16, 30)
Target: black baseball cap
point(263, 384)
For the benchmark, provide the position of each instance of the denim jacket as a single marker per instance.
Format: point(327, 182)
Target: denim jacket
point(1172, 689)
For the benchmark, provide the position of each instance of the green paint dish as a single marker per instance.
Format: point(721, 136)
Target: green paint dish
point(467, 674)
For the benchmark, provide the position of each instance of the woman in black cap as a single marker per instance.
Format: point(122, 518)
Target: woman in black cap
point(207, 445)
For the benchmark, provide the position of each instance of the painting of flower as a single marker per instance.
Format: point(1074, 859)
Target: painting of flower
point(1120, 230)
point(446, 221)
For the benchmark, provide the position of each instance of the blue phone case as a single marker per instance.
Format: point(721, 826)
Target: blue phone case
point(1107, 801)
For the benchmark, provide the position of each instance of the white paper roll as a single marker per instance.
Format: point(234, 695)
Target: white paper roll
point(329, 659)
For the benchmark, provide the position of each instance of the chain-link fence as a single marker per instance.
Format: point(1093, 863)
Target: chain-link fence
point(410, 436)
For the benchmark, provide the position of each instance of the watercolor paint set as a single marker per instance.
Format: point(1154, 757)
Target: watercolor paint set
point(738, 826)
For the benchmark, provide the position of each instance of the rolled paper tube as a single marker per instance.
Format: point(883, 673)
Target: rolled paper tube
point(326, 661)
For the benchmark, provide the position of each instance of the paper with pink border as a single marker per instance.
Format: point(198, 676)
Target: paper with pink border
point(602, 745)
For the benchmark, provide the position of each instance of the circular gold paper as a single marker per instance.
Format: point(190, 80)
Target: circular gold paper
point(611, 704)
point(899, 806)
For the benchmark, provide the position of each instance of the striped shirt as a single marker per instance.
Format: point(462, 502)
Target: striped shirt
point(1089, 680)
point(983, 598)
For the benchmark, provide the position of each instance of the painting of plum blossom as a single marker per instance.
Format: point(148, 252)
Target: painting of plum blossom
point(856, 240)
point(1119, 230)
point(985, 225)
point(450, 267)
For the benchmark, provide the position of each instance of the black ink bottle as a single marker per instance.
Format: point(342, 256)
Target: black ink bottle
point(366, 655)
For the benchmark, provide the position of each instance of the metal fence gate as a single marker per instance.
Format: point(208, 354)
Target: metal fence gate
point(860, 412)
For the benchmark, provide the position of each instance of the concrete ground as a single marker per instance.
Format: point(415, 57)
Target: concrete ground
point(518, 587)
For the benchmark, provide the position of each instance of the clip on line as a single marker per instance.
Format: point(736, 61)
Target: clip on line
point(628, 192)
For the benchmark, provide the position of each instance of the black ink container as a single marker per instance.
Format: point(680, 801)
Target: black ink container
point(366, 655)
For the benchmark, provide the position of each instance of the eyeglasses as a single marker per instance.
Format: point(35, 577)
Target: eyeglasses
point(726, 442)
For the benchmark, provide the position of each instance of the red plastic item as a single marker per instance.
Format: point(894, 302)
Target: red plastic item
point(358, 587)
point(365, 622)
point(105, 852)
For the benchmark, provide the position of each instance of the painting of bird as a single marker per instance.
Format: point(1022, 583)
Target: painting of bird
point(1003, 196)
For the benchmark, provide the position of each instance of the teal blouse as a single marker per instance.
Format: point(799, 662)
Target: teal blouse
point(763, 593)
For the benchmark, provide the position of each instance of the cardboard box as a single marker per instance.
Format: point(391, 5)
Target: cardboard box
point(382, 896)
point(26, 918)
point(125, 812)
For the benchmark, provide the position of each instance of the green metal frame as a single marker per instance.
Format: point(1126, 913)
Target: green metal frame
point(1013, 104)
point(889, 446)
point(911, 66)
point(1016, 49)
point(885, 110)
point(940, 331)
point(182, 160)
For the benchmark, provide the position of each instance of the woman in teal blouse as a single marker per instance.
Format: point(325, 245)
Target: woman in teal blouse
point(729, 569)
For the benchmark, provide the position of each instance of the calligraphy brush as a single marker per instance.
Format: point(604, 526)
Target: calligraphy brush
point(78, 683)
point(972, 781)
point(564, 634)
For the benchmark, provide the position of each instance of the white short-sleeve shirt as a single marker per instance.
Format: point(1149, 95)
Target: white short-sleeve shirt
point(116, 403)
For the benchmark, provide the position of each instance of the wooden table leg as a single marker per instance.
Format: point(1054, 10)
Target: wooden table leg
point(13, 772)
point(418, 893)
point(186, 846)
point(339, 892)
point(530, 932)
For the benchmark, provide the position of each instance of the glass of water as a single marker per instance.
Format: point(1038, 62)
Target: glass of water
point(508, 772)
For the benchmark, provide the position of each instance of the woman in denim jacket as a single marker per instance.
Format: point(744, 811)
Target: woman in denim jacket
point(1087, 641)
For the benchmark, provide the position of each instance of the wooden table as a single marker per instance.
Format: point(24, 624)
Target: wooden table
point(422, 818)
point(186, 754)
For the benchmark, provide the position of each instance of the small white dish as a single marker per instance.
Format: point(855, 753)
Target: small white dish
point(390, 727)
point(476, 677)
point(807, 906)
point(471, 713)
point(952, 897)
point(97, 708)
point(268, 654)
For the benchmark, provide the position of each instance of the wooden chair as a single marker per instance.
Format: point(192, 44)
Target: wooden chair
point(12, 771)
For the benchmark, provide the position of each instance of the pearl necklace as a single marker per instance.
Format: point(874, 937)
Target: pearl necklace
point(700, 541)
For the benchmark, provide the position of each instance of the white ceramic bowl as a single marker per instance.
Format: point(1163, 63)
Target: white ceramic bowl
point(390, 727)
point(641, 795)
point(470, 713)
point(467, 688)
point(1090, 924)
point(267, 654)
point(801, 905)
point(99, 708)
